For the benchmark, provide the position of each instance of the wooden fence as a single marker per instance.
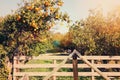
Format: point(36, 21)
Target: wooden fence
point(109, 66)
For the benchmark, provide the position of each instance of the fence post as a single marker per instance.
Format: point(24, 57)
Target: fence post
point(9, 66)
point(93, 78)
point(75, 67)
point(14, 69)
point(16, 61)
point(54, 77)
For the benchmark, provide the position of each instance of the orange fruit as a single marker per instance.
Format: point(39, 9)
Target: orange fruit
point(60, 3)
point(31, 7)
point(37, 9)
point(18, 17)
point(47, 3)
point(40, 13)
point(33, 24)
point(33, 21)
point(51, 9)
point(46, 14)
point(27, 7)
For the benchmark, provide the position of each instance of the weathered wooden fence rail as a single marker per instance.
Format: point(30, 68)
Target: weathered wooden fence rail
point(98, 61)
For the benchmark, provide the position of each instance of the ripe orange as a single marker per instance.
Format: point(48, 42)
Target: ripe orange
point(46, 14)
point(60, 3)
point(47, 3)
point(31, 7)
point(37, 9)
point(33, 24)
point(51, 9)
point(40, 13)
point(27, 7)
point(18, 17)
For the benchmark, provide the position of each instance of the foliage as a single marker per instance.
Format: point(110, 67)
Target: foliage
point(56, 38)
point(3, 69)
point(66, 42)
point(40, 48)
point(26, 32)
point(97, 35)
point(28, 27)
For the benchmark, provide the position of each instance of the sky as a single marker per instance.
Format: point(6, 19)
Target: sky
point(77, 9)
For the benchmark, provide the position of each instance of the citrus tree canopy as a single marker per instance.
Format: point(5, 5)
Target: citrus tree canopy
point(30, 25)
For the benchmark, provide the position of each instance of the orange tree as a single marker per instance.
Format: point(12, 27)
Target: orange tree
point(27, 30)
point(3, 69)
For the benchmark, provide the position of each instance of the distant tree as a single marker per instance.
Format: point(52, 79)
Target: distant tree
point(97, 35)
point(66, 42)
point(57, 36)
point(113, 31)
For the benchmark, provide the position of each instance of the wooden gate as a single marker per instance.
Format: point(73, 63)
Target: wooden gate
point(105, 66)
